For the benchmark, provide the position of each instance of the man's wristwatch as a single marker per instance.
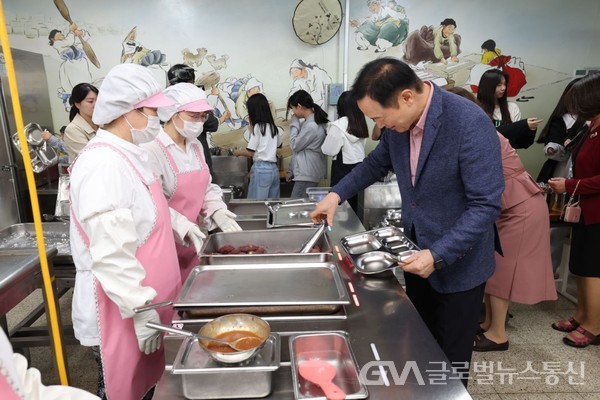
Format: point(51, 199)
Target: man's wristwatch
point(438, 262)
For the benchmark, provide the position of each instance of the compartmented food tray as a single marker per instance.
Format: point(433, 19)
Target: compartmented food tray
point(279, 246)
point(333, 348)
point(263, 287)
point(378, 250)
point(204, 378)
point(290, 214)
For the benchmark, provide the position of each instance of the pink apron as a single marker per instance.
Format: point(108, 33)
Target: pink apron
point(7, 392)
point(188, 198)
point(128, 372)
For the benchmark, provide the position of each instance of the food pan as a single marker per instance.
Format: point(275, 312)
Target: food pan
point(204, 378)
point(281, 246)
point(333, 348)
point(246, 284)
point(290, 214)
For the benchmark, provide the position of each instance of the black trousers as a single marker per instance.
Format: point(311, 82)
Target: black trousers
point(452, 318)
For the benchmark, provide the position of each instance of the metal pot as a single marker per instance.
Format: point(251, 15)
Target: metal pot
point(230, 323)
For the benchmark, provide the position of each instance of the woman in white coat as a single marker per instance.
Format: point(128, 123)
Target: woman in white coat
point(17, 382)
point(178, 159)
point(345, 140)
point(122, 237)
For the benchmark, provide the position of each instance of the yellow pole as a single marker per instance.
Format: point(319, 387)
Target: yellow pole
point(50, 297)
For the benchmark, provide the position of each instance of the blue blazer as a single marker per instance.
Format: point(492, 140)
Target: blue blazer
point(458, 186)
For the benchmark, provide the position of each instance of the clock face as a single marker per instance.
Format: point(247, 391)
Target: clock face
point(317, 21)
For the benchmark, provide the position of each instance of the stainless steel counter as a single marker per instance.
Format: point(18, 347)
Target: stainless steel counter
point(382, 325)
point(20, 275)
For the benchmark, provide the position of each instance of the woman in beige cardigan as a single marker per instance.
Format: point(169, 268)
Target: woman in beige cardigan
point(81, 129)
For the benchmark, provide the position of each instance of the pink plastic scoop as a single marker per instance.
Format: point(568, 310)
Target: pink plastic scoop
point(322, 373)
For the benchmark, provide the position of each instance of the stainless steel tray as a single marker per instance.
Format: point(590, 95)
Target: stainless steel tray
point(22, 236)
point(290, 214)
point(370, 250)
point(248, 208)
point(204, 378)
point(281, 245)
point(298, 284)
point(334, 348)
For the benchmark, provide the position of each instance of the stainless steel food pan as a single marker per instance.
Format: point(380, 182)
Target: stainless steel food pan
point(262, 285)
point(281, 246)
point(203, 378)
point(290, 214)
point(333, 348)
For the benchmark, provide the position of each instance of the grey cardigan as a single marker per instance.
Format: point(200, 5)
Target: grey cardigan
point(308, 161)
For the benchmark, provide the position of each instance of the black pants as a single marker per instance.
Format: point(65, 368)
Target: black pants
point(452, 318)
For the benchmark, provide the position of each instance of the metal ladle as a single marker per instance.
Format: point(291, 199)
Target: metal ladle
point(233, 344)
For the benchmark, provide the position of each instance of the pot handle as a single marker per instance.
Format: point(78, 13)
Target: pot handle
point(151, 306)
point(169, 329)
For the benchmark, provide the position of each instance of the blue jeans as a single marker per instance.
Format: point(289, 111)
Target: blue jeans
point(264, 181)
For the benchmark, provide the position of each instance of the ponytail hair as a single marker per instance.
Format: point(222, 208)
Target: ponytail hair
point(303, 98)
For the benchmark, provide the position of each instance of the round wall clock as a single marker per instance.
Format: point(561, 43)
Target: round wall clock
point(317, 21)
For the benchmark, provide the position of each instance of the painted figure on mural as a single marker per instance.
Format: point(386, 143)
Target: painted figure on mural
point(74, 68)
point(435, 44)
point(310, 78)
point(229, 100)
point(387, 26)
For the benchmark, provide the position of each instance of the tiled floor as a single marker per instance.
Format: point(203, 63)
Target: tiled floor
point(531, 341)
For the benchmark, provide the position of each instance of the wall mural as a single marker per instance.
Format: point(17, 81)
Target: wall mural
point(81, 41)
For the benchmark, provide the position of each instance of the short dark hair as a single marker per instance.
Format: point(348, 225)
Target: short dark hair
point(51, 35)
point(179, 73)
point(448, 21)
point(583, 99)
point(489, 45)
point(383, 79)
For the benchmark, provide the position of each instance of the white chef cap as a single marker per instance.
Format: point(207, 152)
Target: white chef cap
point(125, 88)
point(185, 97)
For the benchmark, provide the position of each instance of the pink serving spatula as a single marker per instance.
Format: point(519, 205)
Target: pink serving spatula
point(322, 373)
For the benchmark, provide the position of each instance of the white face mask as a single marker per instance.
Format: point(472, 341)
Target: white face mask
point(149, 133)
point(190, 129)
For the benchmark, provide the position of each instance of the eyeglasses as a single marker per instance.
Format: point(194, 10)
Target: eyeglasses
point(199, 116)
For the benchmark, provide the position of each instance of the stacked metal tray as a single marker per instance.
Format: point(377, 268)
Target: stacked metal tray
point(378, 250)
point(204, 378)
point(292, 288)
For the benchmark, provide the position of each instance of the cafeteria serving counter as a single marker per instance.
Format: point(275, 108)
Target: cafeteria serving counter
point(398, 356)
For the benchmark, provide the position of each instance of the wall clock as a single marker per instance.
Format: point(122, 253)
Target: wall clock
point(317, 21)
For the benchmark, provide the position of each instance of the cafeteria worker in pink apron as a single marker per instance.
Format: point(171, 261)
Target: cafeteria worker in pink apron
point(178, 160)
point(122, 238)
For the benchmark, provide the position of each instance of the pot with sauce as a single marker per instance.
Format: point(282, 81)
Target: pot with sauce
point(229, 328)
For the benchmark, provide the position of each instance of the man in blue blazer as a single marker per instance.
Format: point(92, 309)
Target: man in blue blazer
point(446, 156)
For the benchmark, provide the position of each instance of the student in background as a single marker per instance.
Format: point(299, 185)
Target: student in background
point(505, 114)
point(309, 164)
point(345, 140)
point(265, 139)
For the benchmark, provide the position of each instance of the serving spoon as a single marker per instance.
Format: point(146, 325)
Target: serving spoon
point(234, 344)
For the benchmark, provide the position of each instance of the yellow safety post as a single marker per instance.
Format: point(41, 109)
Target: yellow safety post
point(50, 297)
